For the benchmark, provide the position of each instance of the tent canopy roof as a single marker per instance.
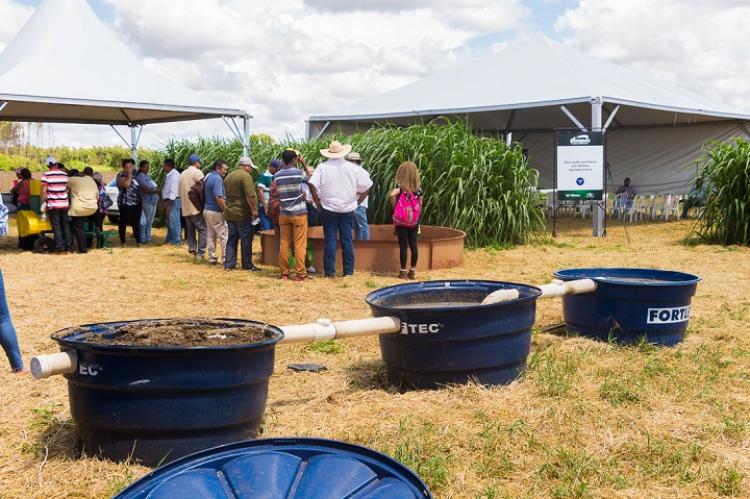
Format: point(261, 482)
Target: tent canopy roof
point(67, 66)
point(523, 86)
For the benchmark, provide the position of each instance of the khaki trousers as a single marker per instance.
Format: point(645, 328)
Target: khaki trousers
point(293, 229)
point(216, 228)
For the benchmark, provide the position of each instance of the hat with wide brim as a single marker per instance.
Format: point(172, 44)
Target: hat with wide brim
point(353, 156)
point(336, 150)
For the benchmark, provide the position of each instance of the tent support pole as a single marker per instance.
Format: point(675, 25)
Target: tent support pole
point(573, 118)
point(598, 208)
point(244, 135)
point(610, 119)
point(322, 130)
point(135, 139)
point(2, 105)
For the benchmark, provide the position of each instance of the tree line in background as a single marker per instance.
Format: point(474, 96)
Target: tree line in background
point(16, 151)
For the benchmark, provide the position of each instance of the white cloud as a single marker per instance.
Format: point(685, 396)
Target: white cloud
point(288, 59)
point(699, 45)
point(12, 17)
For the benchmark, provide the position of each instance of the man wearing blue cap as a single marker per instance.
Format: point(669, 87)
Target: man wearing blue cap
point(194, 221)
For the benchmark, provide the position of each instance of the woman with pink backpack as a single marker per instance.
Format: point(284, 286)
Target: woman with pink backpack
point(406, 199)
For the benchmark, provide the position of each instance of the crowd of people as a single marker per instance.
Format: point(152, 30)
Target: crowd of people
point(219, 213)
point(222, 211)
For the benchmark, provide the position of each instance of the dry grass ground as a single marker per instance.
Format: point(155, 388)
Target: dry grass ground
point(588, 419)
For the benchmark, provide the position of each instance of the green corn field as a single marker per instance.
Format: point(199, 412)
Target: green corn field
point(726, 172)
point(472, 183)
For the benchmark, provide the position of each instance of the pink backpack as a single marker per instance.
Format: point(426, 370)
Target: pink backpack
point(407, 210)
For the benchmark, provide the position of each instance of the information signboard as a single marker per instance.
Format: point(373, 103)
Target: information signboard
point(579, 169)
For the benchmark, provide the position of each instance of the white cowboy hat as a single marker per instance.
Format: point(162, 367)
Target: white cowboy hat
point(336, 150)
point(353, 156)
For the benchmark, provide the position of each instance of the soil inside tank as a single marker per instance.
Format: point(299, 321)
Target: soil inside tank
point(177, 333)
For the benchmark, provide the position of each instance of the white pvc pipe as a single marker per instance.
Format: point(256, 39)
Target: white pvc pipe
point(324, 329)
point(44, 366)
point(554, 289)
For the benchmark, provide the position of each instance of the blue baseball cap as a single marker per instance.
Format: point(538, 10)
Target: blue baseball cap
point(276, 163)
point(193, 159)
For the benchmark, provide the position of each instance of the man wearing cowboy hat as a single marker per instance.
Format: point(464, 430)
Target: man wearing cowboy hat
point(361, 225)
point(338, 187)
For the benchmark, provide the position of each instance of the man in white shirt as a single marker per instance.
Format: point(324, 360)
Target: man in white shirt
point(361, 225)
point(338, 187)
point(171, 196)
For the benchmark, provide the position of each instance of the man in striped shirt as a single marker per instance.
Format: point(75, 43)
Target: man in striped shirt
point(293, 213)
point(55, 198)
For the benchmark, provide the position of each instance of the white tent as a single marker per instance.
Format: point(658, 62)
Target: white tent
point(528, 89)
point(66, 66)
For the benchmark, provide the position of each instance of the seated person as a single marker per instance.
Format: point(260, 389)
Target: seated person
point(696, 197)
point(625, 194)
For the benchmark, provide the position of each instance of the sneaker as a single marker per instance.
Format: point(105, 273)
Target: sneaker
point(412, 275)
point(403, 275)
point(254, 269)
point(311, 270)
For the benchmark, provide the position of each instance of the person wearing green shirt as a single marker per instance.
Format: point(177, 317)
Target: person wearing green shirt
point(241, 214)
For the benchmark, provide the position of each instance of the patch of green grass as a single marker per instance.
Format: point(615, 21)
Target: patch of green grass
point(618, 391)
point(733, 426)
point(728, 482)
point(122, 480)
point(572, 472)
point(490, 492)
point(371, 284)
point(554, 375)
point(492, 458)
point(328, 347)
point(550, 242)
point(424, 449)
point(665, 459)
point(655, 366)
point(44, 418)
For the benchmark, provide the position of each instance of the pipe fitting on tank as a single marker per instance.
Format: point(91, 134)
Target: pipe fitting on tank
point(44, 366)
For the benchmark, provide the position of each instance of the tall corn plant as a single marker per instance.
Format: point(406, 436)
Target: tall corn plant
point(726, 216)
point(472, 183)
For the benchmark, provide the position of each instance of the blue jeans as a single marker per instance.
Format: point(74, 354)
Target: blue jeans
point(147, 220)
point(338, 224)
point(313, 215)
point(361, 227)
point(8, 338)
point(241, 232)
point(174, 228)
point(265, 222)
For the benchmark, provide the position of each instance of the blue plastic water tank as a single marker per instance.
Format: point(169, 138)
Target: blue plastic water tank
point(156, 404)
point(440, 345)
point(282, 468)
point(631, 304)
